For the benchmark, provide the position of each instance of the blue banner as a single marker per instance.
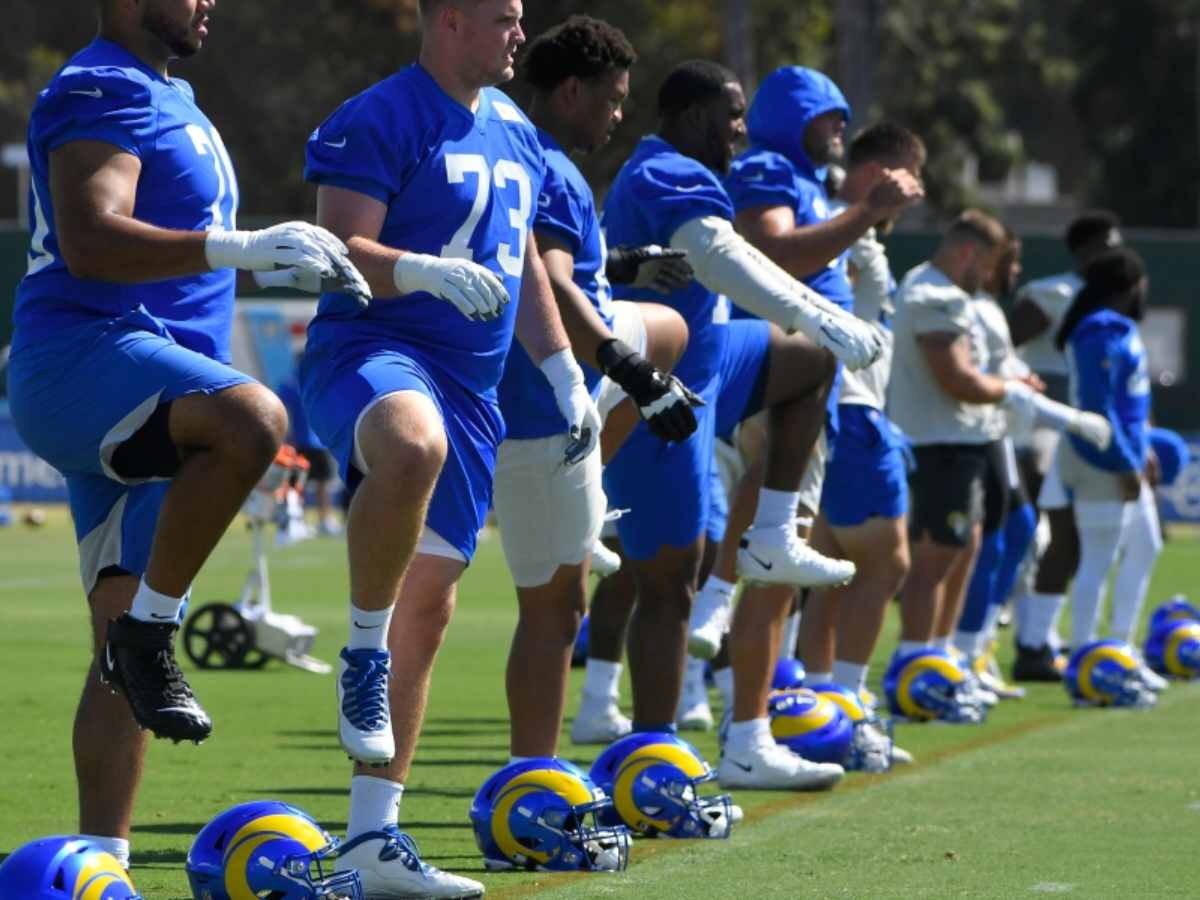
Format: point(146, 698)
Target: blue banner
point(30, 479)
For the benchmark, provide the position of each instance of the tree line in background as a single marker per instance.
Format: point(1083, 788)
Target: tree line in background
point(1105, 92)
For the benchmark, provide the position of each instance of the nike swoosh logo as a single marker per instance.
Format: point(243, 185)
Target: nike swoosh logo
point(109, 662)
point(690, 190)
point(94, 93)
point(366, 627)
point(544, 201)
point(762, 562)
point(182, 709)
point(740, 766)
point(335, 145)
point(162, 618)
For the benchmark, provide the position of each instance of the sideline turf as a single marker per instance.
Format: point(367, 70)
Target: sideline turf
point(1041, 795)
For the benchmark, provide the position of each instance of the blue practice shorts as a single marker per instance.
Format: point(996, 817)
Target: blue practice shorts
point(76, 397)
point(339, 385)
point(866, 477)
point(668, 488)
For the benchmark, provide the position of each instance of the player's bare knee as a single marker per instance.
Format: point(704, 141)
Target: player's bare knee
point(253, 424)
point(666, 336)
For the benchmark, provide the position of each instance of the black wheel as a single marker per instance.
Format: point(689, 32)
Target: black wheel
point(217, 637)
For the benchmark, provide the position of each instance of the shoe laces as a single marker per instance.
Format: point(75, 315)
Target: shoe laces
point(399, 845)
point(366, 696)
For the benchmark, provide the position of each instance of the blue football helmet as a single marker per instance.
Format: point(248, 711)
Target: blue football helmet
point(1176, 609)
point(929, 684)
point(1107, 673)
point(789, 674)
point(865, 754)
point(1174, 649)
point(653, 778)
point(267, 848)
point(544, 814)
point(64, 868)
point(811, 726)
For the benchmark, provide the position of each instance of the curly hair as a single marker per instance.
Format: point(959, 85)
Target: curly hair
point(580, 47)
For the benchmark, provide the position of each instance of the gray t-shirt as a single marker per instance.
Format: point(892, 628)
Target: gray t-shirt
point(1053, 296)
point(929, 303)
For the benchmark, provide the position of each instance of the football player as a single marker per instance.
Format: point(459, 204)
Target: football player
point(432, 176)
point(119, 374)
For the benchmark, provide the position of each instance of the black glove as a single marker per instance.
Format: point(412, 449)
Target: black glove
point(624, 262)
point(663, 401)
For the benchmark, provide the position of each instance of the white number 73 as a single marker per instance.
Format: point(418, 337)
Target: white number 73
point(458, 166)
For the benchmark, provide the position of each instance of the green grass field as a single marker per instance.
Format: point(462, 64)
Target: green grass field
point(1043, 798)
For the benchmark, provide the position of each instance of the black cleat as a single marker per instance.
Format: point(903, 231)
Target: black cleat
point(139, 661)
point(1036, 664)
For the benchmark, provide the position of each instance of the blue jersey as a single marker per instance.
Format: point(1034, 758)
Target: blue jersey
point(776, 170)
point(657, 191)
point(567, 211)
point(186, 182)
point(455, 184)
point(1109, 375)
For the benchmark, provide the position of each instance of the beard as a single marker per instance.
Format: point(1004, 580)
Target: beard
point(172, 35)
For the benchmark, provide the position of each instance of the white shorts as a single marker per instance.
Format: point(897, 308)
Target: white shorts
point(628, 327)
point(549, 514)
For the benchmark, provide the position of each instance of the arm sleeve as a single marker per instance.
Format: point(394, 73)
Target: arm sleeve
point(98, 105)
point(361, 148)
point(873, 281)
point(1096, 377)
point(726, 263)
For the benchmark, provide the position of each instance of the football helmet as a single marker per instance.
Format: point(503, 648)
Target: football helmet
point(267, 848)
point(809, 725)
point(1107, 673)
point(1174, 649)
point(543, 814)
point(789, 674)
point(64, 868)
point(867, 752)
point(1175, 609)
point(653, 778)
point(929, 684)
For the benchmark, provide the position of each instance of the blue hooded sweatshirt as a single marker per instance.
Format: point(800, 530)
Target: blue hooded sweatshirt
point(1109, 376)
point(776, 171)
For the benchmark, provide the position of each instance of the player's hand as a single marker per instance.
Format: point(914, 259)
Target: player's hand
point(289, 245)
point(660, 269)
point(662, 400)
point(346, 280)
point(895, 190)
point(1092, 427)
point(575, 404)
point(476, 291)
point(1130, 485)
point(854, 342)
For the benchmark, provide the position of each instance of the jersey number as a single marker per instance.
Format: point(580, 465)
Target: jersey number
point(458, 166)
point(209, 143)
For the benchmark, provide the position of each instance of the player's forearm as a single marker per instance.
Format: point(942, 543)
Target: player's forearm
point(538, 325)
point(804, 251)
point(972, 386)
point(377, 263)
point(122, 250)
point(582, 324)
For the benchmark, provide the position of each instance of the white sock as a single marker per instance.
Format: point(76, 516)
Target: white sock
point(817, 677)
point(1141, 542)
point(151, 606)
point(991, 620)
point(115, 847)
point(369, 628)
point(849, 675)
point(724, 679)
point(775, 508)
point(791, 631)
point(941, 643)
point(969, 643)
point(602, 679)
point(1039, 618)
point(907, 647)
point(714, 585)
point(749, 734)
point(374, 804)
point(694, 670)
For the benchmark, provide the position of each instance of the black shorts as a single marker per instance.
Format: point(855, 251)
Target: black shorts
point(320, 462)
point(998, 492)
point(947, 492)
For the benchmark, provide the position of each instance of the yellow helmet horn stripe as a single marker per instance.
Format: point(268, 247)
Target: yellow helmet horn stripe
point(638, 762)
point(1093, 659)
point(849, 704)
point(100, 873)
point(948, 669)
point(814, 718)
point(1171, 654)
point(253, 835)
point(566, 785)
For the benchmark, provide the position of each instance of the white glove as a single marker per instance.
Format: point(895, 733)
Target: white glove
point(850, 339)
point(1092, 427)
point(298, 244)
point(475, 291)
point(347, 280)
point(1021, 399)
point(575, 403)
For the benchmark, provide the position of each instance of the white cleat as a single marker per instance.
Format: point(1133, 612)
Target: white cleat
point(364, 719)
point(773, 767)
point(694, 713)
point(879, 752)
point(390, 867)
point(779, 556)
point(1152, 679)
point(710, 620)
point(976, 690)
point(604, 561)
point(599, 721)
